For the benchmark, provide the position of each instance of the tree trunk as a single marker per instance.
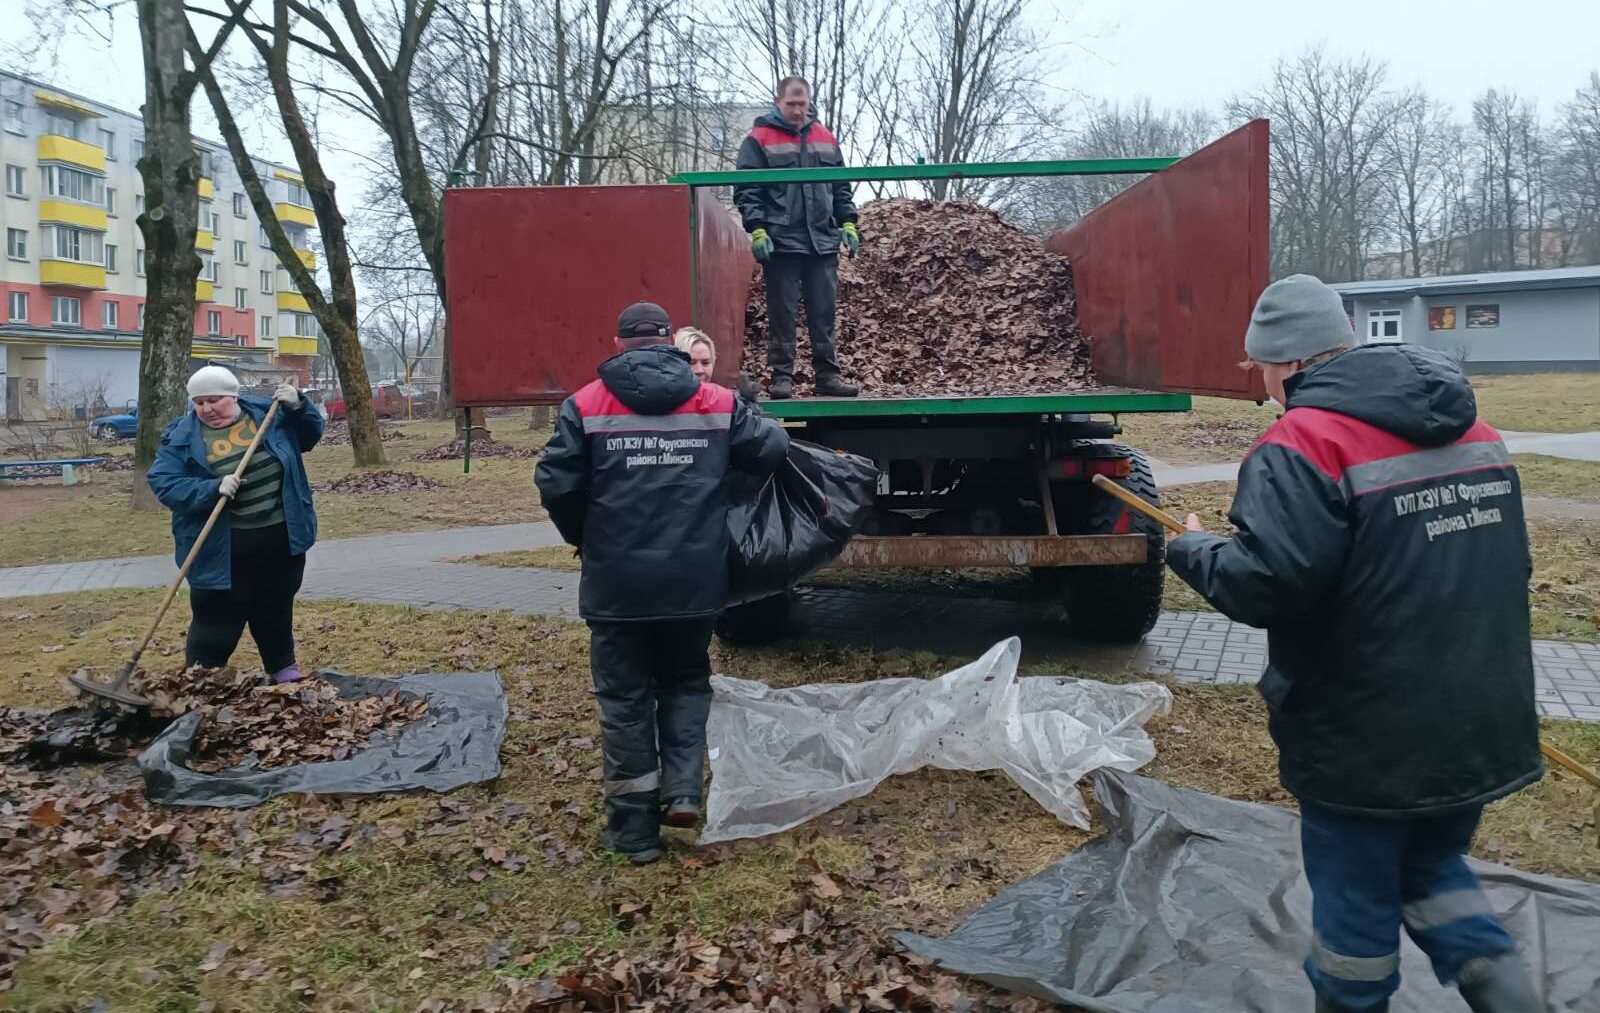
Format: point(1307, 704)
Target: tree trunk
point(171, 174)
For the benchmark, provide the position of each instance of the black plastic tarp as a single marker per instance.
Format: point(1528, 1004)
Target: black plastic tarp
point(796, 520)
point(1196, 904)
point(456, 743)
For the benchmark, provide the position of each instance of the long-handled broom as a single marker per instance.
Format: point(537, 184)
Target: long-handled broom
point(117, 690)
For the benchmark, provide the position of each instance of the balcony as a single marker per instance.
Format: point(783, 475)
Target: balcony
point(293, 301)
point(205, 291)
point(307, 258)
point(66, 212)
point(203, 240)
point(294, 214)
point(71, 274)
point(64, 149)
point(297, 346)
point(206, 188)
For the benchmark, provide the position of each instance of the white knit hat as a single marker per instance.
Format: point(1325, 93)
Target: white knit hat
point(213, 381)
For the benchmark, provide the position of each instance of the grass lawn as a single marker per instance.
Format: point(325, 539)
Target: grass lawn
point(1558, 477)
point(409, 911)
point(1540, 402)
point(95, 522)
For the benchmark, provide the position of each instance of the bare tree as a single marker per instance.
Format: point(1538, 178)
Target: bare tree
point(171, 170)
point(1418, 148)
point(1578, 170)
point(335, 315)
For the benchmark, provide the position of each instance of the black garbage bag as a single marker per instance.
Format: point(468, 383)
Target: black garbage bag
point(796, 520)
point(456, 743)
point(1192, 903)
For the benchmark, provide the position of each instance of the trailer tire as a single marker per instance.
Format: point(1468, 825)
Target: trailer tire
point(1120, 604)
point(757, 622)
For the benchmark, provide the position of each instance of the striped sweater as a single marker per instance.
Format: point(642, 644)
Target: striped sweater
point(259, 503)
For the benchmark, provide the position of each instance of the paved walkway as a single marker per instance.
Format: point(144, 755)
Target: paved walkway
point(407, 569)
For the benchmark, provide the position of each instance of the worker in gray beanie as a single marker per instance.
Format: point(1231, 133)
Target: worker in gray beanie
point(1381, 545)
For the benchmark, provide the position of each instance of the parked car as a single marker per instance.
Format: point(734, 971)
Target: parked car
point(116, 427)
point(389, 401)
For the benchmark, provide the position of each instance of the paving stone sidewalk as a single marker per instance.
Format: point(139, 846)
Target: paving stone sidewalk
point(407, 569)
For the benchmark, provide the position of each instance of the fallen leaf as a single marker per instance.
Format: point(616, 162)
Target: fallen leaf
point(216, 956)
point(826, 887)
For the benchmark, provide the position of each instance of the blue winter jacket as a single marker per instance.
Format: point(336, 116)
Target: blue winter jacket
point(183, 481)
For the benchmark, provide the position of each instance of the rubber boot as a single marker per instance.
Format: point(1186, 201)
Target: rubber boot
point(633, 826)
point(835, 386)
point(781, 388)
point(682, 813)
point(1498, 985)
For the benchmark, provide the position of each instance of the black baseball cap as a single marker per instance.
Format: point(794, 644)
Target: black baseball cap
point(644, 320)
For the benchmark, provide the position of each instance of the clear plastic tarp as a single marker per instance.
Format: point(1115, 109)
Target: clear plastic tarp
point(780, 757)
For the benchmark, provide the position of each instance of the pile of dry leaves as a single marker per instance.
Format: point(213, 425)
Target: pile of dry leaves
point(337, 434)
point(113, 464)
point(484, 447)
point(378, 483)
point(250, 725)
point(944, 299)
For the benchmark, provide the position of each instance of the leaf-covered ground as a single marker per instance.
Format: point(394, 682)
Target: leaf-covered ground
point(500, 893)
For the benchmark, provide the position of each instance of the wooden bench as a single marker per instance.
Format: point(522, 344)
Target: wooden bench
point(15, 471)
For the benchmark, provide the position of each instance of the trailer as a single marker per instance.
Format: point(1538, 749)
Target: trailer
point(1166, 275)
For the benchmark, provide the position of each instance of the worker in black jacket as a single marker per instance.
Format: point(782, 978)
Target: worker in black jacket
point(796, 230)
point(1381, 545)
point(634, 478)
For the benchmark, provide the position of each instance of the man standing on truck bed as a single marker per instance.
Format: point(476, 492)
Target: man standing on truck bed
point(634, 477)
point(796, 230)
point(1381, 545)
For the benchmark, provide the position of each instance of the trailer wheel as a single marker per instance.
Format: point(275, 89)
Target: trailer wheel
point(1119, 604)
point(757, 622)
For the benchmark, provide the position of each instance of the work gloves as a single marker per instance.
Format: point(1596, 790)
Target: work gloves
point(229, 487)
point(761, 245)
point(288, 394)
point(851, 238)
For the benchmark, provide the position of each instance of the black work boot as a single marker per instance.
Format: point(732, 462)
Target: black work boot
point(834, 386)
point(1329, 1006)
point(633, 826)
point(1498, 984)
point(781, 388)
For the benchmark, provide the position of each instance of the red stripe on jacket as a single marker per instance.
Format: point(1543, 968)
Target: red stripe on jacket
point(595, 399)
point(1333, 442)
point(767, 135)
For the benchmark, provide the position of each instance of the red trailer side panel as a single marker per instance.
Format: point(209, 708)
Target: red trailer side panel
point(537, 276)
point(723, 269)
point(1168, 271)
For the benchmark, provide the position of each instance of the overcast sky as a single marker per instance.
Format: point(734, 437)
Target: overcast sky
point(1176, 52)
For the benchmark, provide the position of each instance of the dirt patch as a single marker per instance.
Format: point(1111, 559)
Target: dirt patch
point(378, 483)
point(19, 502)
point(457, 449)
point(945, 298)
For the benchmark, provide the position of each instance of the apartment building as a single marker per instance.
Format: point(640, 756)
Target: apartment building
point(72, 284)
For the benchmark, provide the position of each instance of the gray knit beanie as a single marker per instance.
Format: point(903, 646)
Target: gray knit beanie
point(1295, 318)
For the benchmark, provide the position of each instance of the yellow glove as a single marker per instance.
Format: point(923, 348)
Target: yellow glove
point(851, 238)
point(760, 245)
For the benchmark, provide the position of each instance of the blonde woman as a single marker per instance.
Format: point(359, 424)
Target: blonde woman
point(700, 349)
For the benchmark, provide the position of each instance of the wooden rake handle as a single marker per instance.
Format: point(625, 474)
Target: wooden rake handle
point(1561, 759)
point(1155, 513)
point(205, 532)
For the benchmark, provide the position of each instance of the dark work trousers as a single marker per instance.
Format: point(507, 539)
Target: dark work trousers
point(265, 578)
point(1371, 876)
point(652, 680)
point(791, 277)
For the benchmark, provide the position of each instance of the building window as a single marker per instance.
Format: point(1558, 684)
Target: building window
point(215, 271)
point(214, 322)
point(111, 201)
point(108, 315)
point(138, 261)
point(108, 141)
point(16, 181)
point(297, 193)
point(216, 225)
point(78, 245)
point(138, 203)
point(264, 327)
point(238, 205)
point(262, 238)
point(57, 125)
point(205, 162)
point(16, 117)
point(1483, 315)
point(19, 307)
point(74, 184)
point(241, 252)
point(111, 258)
point(238, 298)
point(300, 325)
point(66, 311)
point(141, 316)
point(17, 244)
point(266, 282)
point(136, 146)
point(1383, 326)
